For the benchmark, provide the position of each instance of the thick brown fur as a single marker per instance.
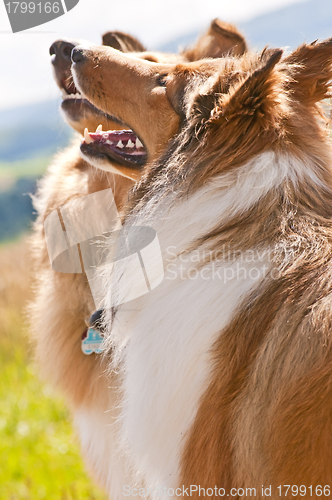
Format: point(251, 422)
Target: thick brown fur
point(63, 302)
point(265, 418)
point(266, 415)
point(271, 395)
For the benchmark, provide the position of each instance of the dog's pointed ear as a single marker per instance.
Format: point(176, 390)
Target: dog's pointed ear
point(184, 81)
point(311, 71)
point(122, 41)
point(220, 39)
point(256, 98)
point(175, 90)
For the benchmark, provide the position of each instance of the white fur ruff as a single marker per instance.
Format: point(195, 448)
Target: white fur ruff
point(164, 338)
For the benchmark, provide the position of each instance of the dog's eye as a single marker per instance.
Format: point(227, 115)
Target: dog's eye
point(150, 58)
point(162, 80)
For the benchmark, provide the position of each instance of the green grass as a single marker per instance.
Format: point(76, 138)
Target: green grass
point(39, 454)
point(32, 167)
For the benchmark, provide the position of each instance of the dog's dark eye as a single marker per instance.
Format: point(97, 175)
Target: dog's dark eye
point(162, 80)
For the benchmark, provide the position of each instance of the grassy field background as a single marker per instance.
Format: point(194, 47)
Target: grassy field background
point(39, 453)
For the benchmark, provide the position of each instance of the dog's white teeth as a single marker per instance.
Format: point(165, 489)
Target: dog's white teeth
point(71, 96)
point(87, 137)
point(138, 143)
point(64, 94)
point(120, 145)
point(130, 144)
point(99, 128)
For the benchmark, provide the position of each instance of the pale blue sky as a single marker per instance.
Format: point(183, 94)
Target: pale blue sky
point(25, 70)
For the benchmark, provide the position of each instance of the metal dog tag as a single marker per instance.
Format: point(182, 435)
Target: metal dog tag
point(92, 341)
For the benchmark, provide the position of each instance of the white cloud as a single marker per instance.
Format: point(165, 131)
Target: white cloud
point(25, 72)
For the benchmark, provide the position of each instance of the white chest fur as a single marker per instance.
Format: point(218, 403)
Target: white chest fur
point(97, 427)
point(168, 333)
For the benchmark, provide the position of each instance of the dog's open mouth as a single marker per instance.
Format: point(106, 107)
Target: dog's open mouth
point(68, 89)
point(70, 92)
point(74, 105)
point(103, 148)
point(121, 146)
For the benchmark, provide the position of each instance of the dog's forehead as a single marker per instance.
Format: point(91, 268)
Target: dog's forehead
point(205, 72)
point(175, 64)
point(225, 68)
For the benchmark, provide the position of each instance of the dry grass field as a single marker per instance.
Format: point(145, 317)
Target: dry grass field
point(39, 453)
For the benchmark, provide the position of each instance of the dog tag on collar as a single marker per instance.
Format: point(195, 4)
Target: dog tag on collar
point(91, 342)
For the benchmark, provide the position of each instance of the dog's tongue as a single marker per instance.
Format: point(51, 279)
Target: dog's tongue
point(119, 139)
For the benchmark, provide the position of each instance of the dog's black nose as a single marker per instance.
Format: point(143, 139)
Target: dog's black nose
point(77, 55)
point(61, 49)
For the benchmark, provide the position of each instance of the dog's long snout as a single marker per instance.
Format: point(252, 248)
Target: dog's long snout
point(61, 49)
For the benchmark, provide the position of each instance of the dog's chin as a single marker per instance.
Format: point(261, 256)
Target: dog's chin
point(116, 151)
point(76, 106)
point(103, 163)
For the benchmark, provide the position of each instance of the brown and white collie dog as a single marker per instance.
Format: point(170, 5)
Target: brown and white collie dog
point(226, 366)
point(64, 301)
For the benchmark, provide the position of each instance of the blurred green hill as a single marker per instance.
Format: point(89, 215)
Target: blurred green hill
point(29, 136)
point(16, 207)
point(32, 131)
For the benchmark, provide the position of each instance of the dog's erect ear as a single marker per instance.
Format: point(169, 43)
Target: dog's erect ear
point(183, 82)
point(257, 97)
point(122, 41)
point(311, 71)
point(176, 84)
point(220, 39)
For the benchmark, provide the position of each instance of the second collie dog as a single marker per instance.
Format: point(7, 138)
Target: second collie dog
point(227, 366)
point(63, 301)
